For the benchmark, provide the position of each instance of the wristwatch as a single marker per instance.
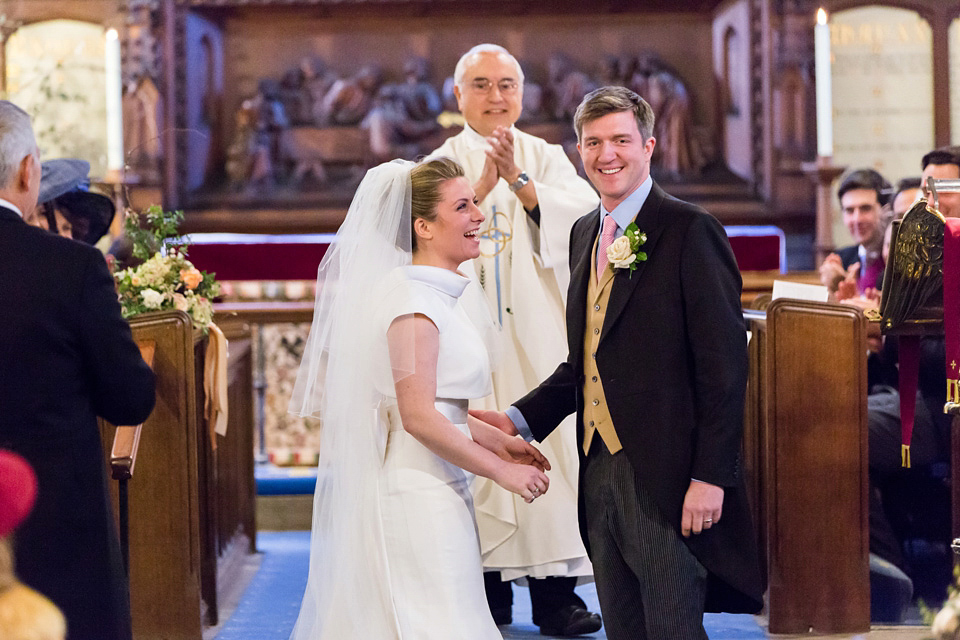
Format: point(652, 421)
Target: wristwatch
point(520, 182)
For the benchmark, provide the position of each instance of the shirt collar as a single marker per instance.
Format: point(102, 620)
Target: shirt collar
point(865, 255)
point(444, 280)
point(10, 205)
point(626, 211)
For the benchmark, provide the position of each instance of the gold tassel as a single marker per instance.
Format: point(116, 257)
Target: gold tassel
point(905, 455)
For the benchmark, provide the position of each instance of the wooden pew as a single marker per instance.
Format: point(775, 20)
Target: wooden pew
point(191, 507)
point(806, 462)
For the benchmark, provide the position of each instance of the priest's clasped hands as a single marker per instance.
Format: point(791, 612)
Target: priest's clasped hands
point(500, 163)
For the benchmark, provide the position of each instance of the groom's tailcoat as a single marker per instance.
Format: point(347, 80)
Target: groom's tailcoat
point(672, 358)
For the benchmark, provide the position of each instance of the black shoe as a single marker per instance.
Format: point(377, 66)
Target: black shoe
point(502, 615)
point(571, 621)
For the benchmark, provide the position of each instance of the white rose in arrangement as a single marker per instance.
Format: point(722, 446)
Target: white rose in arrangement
point(151, 299)
point(620, 254)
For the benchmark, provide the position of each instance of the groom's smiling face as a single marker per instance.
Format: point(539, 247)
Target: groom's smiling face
point(615, 156)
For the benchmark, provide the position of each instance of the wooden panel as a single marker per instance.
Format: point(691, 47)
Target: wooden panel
point(816, 468)
point(237, 490)
point(164, 515)
point(754, 426)
point(264, 312)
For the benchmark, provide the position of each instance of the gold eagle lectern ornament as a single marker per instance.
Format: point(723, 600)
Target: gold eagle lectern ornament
point(913, 283)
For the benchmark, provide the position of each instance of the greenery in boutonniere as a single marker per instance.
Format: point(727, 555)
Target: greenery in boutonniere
point(625, 252)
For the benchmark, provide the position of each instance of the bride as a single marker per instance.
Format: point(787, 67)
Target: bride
point(398, 346)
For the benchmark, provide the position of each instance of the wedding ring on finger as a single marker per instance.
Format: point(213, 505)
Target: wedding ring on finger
point(708, 521)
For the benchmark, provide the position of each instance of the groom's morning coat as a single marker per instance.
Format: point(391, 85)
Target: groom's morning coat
point(672, 357)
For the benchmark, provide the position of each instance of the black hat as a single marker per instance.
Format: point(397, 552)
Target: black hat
point(95, 208)
point(65, 181)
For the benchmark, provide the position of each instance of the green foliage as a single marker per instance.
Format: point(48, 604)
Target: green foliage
point(153, 229)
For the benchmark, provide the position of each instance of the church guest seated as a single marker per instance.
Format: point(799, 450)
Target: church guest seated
point(943, 164)
point(908, 192)
point(930, 443)
point(855, 269)
point(890, 523)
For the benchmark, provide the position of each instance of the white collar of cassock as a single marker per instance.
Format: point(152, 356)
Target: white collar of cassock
point(476, 141)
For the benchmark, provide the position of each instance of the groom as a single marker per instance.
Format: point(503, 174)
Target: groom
point(656, 372)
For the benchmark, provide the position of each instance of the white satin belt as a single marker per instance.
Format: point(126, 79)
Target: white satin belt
point(454, 410)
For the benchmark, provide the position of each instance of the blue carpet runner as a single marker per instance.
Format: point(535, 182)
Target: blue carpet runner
point(268, 608)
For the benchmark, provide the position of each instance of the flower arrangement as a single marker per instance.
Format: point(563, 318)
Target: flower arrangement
point(625, 252)
point(165, 279)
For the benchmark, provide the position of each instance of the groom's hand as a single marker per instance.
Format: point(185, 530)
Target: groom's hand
point(498, 419)
point(702, 507)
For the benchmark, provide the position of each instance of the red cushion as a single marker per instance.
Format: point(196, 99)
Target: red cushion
point(266, 261)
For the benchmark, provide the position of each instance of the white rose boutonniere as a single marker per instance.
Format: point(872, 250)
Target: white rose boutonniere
point(625, 252)
point(620, 254)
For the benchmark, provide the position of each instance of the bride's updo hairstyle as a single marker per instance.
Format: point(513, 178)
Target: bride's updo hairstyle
point(425, 180)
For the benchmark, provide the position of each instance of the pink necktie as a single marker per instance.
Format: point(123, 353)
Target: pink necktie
point(870, 275)
point(606, 239)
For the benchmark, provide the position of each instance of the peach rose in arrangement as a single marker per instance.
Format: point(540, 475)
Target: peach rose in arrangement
point(191, 277)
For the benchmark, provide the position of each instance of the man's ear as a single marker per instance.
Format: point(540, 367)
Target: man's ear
point(28, 172)
point(458, 96)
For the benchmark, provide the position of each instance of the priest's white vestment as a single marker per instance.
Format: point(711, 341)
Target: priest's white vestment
point(523, 270)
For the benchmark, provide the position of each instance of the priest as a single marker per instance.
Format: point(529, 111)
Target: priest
point(531, 195)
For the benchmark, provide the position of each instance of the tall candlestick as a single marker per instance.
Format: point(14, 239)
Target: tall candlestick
point(114, 101)
point(821, 53)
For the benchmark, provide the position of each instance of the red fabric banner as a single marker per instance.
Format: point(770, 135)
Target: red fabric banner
point(909, 372)
point(951, 305)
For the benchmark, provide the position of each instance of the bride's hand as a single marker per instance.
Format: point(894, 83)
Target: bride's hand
point(520, 452)
point(526, 481)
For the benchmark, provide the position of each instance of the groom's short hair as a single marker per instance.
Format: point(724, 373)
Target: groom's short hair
point(607, 100)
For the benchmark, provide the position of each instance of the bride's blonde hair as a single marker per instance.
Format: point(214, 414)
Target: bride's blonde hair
point(425, 181)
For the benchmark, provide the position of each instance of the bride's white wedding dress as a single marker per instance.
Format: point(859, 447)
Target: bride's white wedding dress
point(432, 546)
point(394, 550)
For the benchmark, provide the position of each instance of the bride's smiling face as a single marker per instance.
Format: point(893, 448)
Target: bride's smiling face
point(454, 234)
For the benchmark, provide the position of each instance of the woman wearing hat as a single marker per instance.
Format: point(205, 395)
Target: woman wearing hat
point(67, 207)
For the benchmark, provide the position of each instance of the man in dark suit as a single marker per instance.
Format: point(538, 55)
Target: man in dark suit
point(66, 357)
point(656, 372)
point(863, 196)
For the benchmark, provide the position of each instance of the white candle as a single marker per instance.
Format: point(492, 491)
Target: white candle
point(114, 99)
point(821, 53)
